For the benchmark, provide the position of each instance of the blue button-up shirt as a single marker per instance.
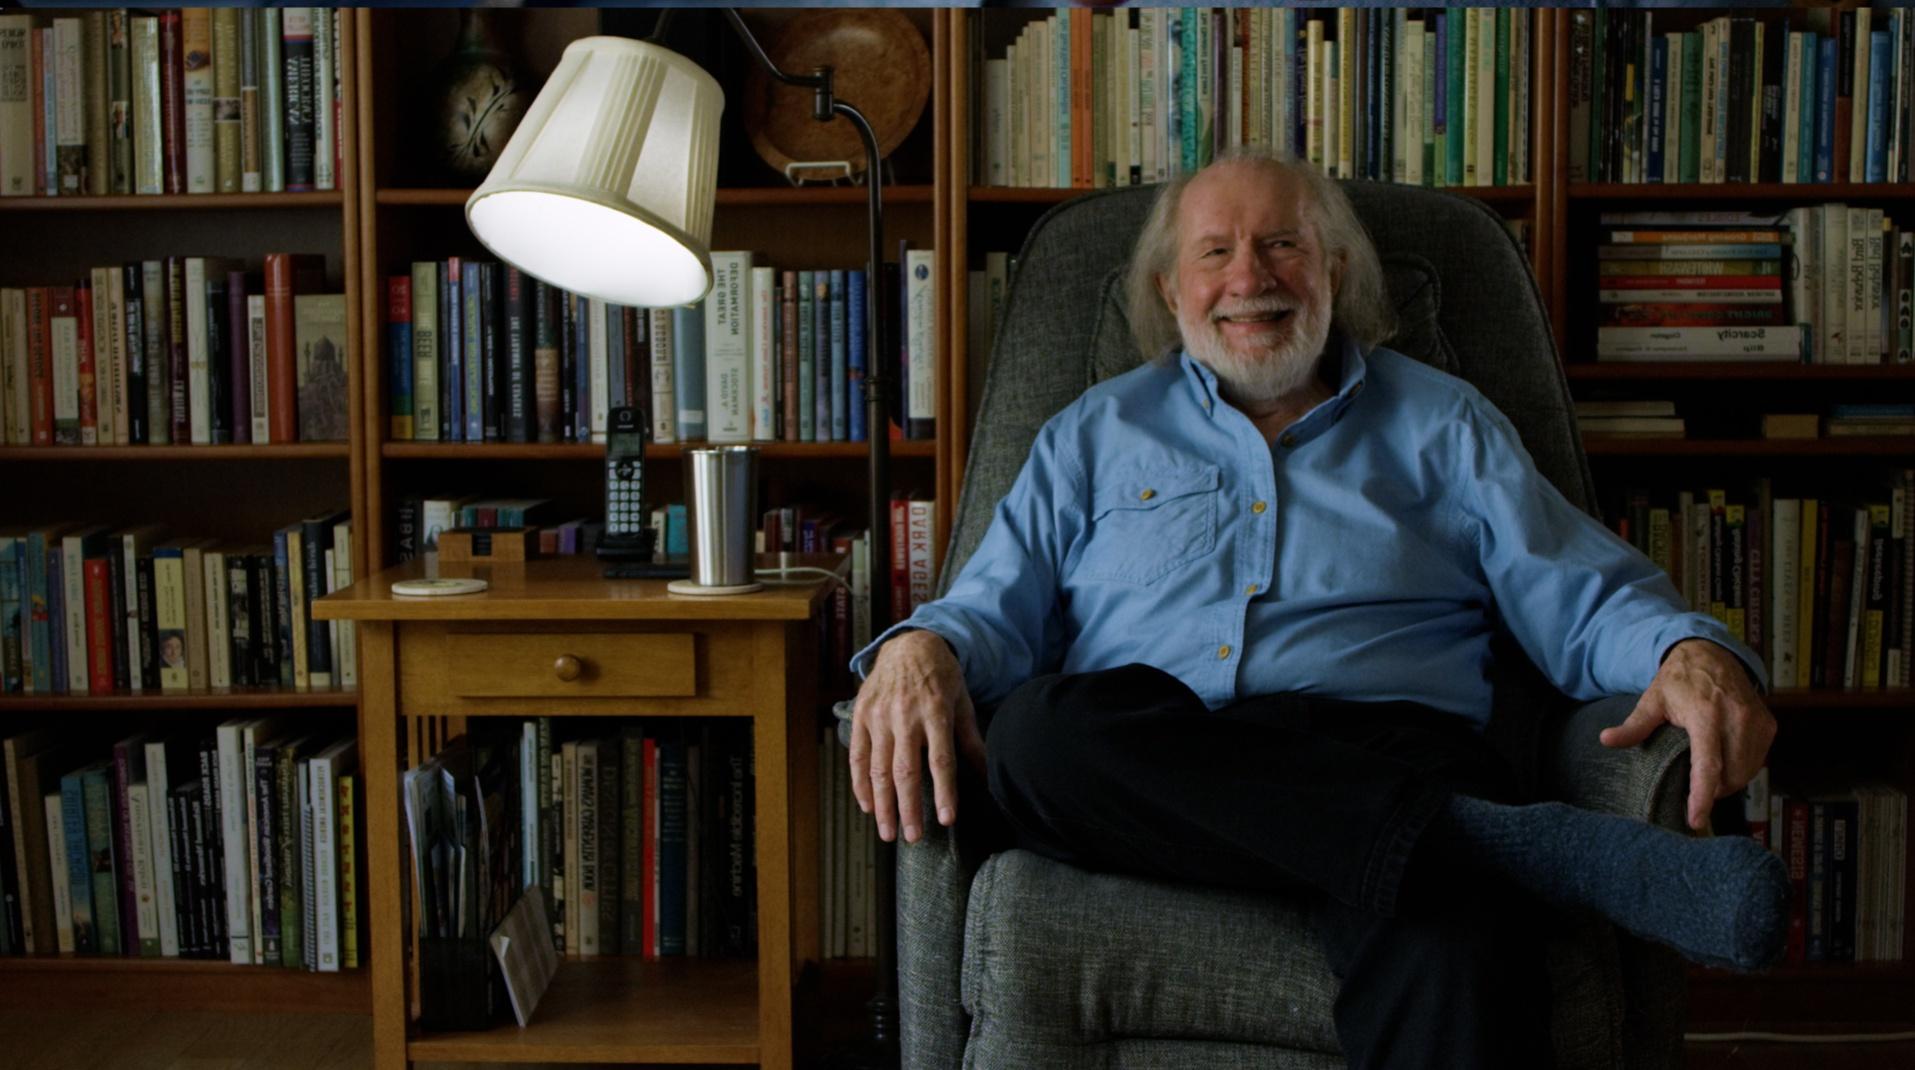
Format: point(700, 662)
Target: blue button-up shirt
point(1366, 555)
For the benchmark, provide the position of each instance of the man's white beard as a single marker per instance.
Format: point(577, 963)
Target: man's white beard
point(1269, 372)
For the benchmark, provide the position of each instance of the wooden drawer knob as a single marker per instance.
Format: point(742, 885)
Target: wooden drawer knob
point(568, 667)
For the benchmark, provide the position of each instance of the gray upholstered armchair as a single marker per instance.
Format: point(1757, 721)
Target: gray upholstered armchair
point(1015, 961)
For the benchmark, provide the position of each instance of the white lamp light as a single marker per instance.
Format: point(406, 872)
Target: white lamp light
point(607, 184)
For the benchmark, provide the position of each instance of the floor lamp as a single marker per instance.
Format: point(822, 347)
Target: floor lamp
point(606, 189)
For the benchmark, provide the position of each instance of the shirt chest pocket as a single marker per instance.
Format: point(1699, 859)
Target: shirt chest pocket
point(1145, 523)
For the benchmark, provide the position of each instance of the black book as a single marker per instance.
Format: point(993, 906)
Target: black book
point(299, 99)
point(13, 936)
point(570, 329)
point(315, 538)
point(116, 602)
point(265, 619)
point(1742, 101)
point(1775, 55)
point(448, 337)
point(219, 360)
point(181, 801)
point(518, 367)
point(149, 657)
point(239, 615)
point(610, 844)
point(209, 856)
point(134, 304)
point(491, 353)
point(542, 411)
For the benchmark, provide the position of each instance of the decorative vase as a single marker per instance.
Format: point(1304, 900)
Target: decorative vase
point(480, 100)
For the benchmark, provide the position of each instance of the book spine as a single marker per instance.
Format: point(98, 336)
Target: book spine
point(325, 855)
point(728, 347)
point(348, 839)
point(250, 140)
point(272, 101)
point(265, 793)
point(296, 97)
point(101, 862)
point(79, 871)
point(226, 62)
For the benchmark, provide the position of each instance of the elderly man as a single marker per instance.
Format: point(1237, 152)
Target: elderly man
point(1235, 616)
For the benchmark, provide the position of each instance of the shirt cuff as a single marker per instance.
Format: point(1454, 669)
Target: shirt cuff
point(862, 661)
point(1758, 673)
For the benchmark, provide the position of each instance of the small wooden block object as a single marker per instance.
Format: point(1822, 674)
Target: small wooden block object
point(1791, 425)
point(488, 544)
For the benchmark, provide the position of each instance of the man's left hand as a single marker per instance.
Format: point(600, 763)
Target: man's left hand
point(1704, 690)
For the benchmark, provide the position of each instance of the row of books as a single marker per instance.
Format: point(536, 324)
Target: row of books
point(1658, 418)
point(1820, 589)
point(238, 845)
point(477, 352)
point(639, 834)
point(201, 100)
point(1822, 96)
point(185, 349)
point(98, 609)
point(1084, 99)
point(1847, 853)
point(1822, 284)
point(847, 858)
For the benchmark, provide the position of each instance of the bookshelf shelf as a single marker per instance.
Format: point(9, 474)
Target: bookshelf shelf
point(771, 196)
point(1889, 699)
point(192, 202)
point(1590, 372)
point(1522, 194)
point(287, 452)
point(1806, 192)
point(259, 698)
point(1858, 446)
point(621, 1010)
point(62, 982)
point(664, 451)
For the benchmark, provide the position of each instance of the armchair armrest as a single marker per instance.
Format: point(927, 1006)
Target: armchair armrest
point(1650, 782)
point(934, 893)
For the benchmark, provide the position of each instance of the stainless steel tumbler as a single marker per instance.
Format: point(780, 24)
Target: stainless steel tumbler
point(724, 507)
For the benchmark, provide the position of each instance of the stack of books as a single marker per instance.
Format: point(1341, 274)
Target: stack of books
point(1700, 286)
point(1636, 419)
point(1846, 420)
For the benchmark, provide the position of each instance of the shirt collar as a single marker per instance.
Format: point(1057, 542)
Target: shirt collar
point(1353, 370)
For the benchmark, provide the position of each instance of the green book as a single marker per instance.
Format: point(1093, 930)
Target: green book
point(1500, 169)
point(1598, 105)
point(97, 794)
point(1459, 27)
point(1691, 169)
point(292, 886)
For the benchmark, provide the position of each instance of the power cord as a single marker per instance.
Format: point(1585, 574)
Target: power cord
point(786, 569)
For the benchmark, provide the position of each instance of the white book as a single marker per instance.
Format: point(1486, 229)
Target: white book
point(1856, 269)
point(1804, 253)
point(146, 906)
point(569, 807)
point(921, 344)
point(1699, 343)
point(328, 579)
point(219, 629)
point(327, 767)
point(599, 345)
point(149, 175)
point(1346, 90)
point(1872, 274)
point(1833, 331)
point(62, 885)
point(73, 578)
point(345, 647)
point(996, 130)
point(764, 354)
point(664, 391)
point(65, 345)
point(16, 107)
point(254, 737)
point(233, 827)
point(199, 111)
point(67, 106)
point(1785, 549)
point(259, 372)
point(728, 381)
point(1519, 111)
point(1133, 132)
point(13, 342)
point(324, 128)
point(160, 826)
point(199, 390)
point(1018, 111)
point(530, 852)
point(134, 544)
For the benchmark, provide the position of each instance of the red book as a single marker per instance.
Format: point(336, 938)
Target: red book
point(173, 106)
point(1694, 282)
point(399, 311)
point(648, 851)
point(1082, 100)
point(900, 560)
point(287, 275)
point(1796, 814)
point(99, 628)
point(89, 372)
point(1704, 314)
point(40, 364)
point(176, 360)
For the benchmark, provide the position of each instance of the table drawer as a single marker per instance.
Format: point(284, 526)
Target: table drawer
point(571, 664)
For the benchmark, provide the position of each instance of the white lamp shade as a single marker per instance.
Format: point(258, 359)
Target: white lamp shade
point(606, 187)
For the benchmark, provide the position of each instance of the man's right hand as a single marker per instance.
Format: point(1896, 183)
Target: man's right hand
point(912, 704)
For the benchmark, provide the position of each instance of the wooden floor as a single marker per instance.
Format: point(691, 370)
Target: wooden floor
point(122, 1040)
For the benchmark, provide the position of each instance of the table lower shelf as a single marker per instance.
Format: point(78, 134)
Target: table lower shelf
point(622, 1010)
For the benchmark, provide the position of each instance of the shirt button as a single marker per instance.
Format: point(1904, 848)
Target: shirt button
point(1252, 589)
point(1288, 440)
point(1147, 494)
point(1258, 507)
point(1223, 651)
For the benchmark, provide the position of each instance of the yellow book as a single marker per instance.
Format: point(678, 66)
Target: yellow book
point(1734, 528)
point(348, 877)
point(1718, 578)
point(1875, 595)
point(226, 129)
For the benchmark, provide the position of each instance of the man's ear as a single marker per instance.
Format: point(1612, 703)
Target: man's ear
point(1167, 292)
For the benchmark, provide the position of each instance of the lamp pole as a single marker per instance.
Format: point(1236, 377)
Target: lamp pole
point(879, 1050)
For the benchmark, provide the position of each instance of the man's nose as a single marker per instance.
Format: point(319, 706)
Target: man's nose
point(1249, 275)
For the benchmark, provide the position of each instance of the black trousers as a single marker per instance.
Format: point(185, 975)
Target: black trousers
point(1126, 770)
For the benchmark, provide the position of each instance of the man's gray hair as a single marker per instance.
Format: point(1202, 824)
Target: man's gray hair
point(1361, 310)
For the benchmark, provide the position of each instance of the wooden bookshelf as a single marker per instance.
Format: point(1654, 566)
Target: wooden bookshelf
point(233, 699)
point(1643, 371)
point(287, 451)
point(64, 982)
point(1886, 446)
point(734, 197)
point(179, 202)
point(660, 451)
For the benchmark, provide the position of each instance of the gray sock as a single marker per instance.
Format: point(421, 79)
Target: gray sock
point(1722, 901)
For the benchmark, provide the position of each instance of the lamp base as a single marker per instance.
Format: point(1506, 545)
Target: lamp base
point(690, 587)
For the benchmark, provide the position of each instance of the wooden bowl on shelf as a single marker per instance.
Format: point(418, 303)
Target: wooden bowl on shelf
point(880, 65)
